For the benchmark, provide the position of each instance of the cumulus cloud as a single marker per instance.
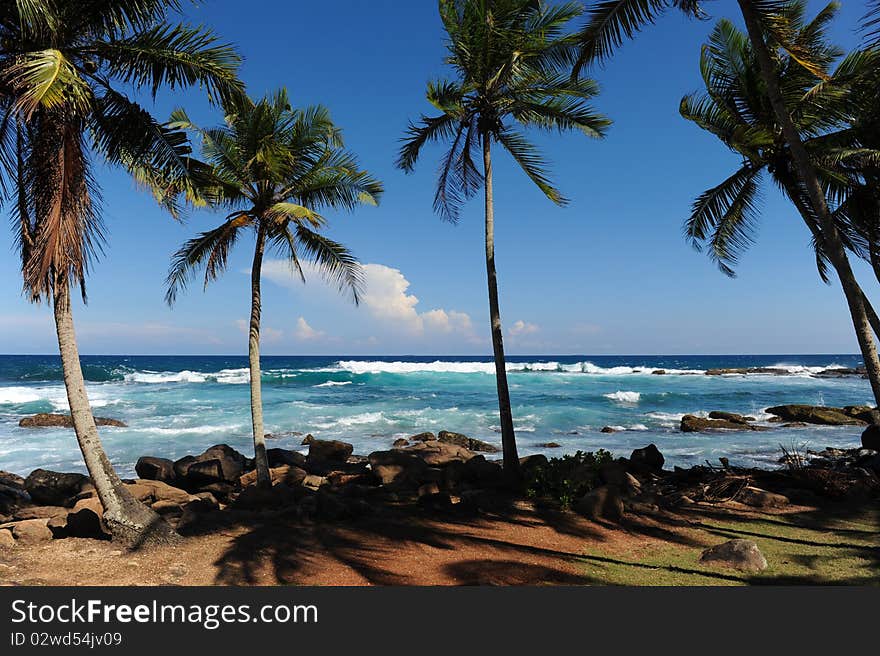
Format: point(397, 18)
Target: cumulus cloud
point(521, 328)
point(306, 333)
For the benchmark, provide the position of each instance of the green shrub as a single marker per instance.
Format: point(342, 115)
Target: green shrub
point(566, 479)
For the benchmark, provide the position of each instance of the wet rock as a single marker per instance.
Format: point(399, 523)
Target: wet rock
point(605, 502)
point(155, 469)
point(232, 463)
point(659, 372)
point(609, 429)
point(692, 424)
point(44, 420)
point(279, 457)
point(50, 488)
point(730, 416)
point(743, 555)
point(648, 457)
point(400, 443)
point(423, 437)
point(330, 450)
point(820, 415)
point(469, 443)
point(550, 445)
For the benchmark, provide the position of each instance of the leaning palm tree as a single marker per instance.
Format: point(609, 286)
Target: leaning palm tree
point(510, 58)
point(734, 108)
point(770, 31)
point(274, 168)
point(62, 64)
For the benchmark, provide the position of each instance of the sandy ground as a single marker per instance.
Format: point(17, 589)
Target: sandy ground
point(520, 544)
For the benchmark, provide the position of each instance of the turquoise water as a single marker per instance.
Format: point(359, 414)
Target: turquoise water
point(176, 405)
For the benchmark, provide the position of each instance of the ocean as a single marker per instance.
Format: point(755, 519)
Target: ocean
point(175, 405)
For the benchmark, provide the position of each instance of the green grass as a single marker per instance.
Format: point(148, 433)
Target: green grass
point(828, 547)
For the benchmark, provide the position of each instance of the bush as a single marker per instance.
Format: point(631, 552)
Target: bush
point(566, 479)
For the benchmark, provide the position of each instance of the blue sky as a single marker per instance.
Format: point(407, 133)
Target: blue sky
point(608, 274)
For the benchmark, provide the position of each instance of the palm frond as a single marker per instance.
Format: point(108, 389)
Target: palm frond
point(333, 259)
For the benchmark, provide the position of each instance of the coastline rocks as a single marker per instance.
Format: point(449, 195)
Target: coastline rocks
point(330, 450)
point(155, 469)
point(45, 420)
point(397, 466)
point(279, 457)
point(743, 555)
point(423, 437)
point(469, 443)
point(648, 457)
point(730, 416)
point(289, 474)
point(48, 488)
point(529, 464)
point(438, 454)
point(550, 445)
point(821, 415)
point(86, 520)
point(871, 437)
point(609, 429)
point(12, 492)
point(400, 443)
point(605, 502)
point(693, 424)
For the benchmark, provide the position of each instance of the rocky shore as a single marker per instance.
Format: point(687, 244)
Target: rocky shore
point(436, 474)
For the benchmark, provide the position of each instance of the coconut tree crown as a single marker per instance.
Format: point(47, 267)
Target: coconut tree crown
point(61, 68)
point(275, 168)
point(511, 60)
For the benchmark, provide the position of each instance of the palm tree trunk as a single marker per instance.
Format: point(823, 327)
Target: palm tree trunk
point(129, 521)
point(261, 460)
point(807, 174)
point(508, 438)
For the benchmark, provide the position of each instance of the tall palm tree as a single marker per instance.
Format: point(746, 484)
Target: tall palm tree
point(734, 108)
point(510, 59)
point(770, 32)
point(274, 168)
point(62, 64)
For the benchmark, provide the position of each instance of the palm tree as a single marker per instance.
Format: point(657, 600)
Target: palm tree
point(61, 66)
point(510, 59)
point(734, 108)
point(274, 168)
point(770, 33)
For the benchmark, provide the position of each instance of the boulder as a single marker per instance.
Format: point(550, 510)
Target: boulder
point(32, 531)
point(44, 420)
point(205, 472)
point(308, 439)
point(39, 512)
point(648, 457)
point(155, 469)
point(469, 443)
point(438, 454)
point(181, 466)
point(758, 498)
point(482, 472)
point(12, 492)
point(288, 474)
point(50, 488)
point(730, 416)
point(605, 502)
point(616, 475)
point(435, 503)
point(232, 463)
point(86, 520)
point(821, 415)
point(397, 466)
point(550, 445)
point(423, 437)
point(279, 457)
point(743, 555)
point(608, 429)
point(400, 443)
point(658, 372)
point(692, 424)
point(159, 491)
point(871, 437)
point(330, 450)
point(6, 539)
point(529, 464)
point(313, 482)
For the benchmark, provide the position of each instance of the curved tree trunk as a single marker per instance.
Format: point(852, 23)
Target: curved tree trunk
point(508, 438)
point(130, 521)
point(807, 174)
point(261, 460)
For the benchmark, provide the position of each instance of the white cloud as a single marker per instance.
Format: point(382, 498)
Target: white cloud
point(521, 328)
point(305, 332)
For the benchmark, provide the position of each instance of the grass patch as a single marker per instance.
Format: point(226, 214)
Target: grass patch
point(832, 546)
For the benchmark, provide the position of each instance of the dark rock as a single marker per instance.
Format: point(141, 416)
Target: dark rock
point(659, 372)
point(86, 520)
point(469, 443)
point(330, 450)
point(423, 437)
point(232, 463)
point(155, 469)
point(482, 472)
point(529, 464)
point(50, 488)
point(609, 429)
point(204, 472)
point(648, 457)
point(605, 502)
point(439, 454)
point(44, 420)
point(692, 424)
point(821, 415)
point(871, 437)
point(730, 416)
point(279, 457)
point(550, 445)
point(308, 439)
point(436, 503)
point(739, 554)
point(400, 443)
point(397, 466)
point(12, 492)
